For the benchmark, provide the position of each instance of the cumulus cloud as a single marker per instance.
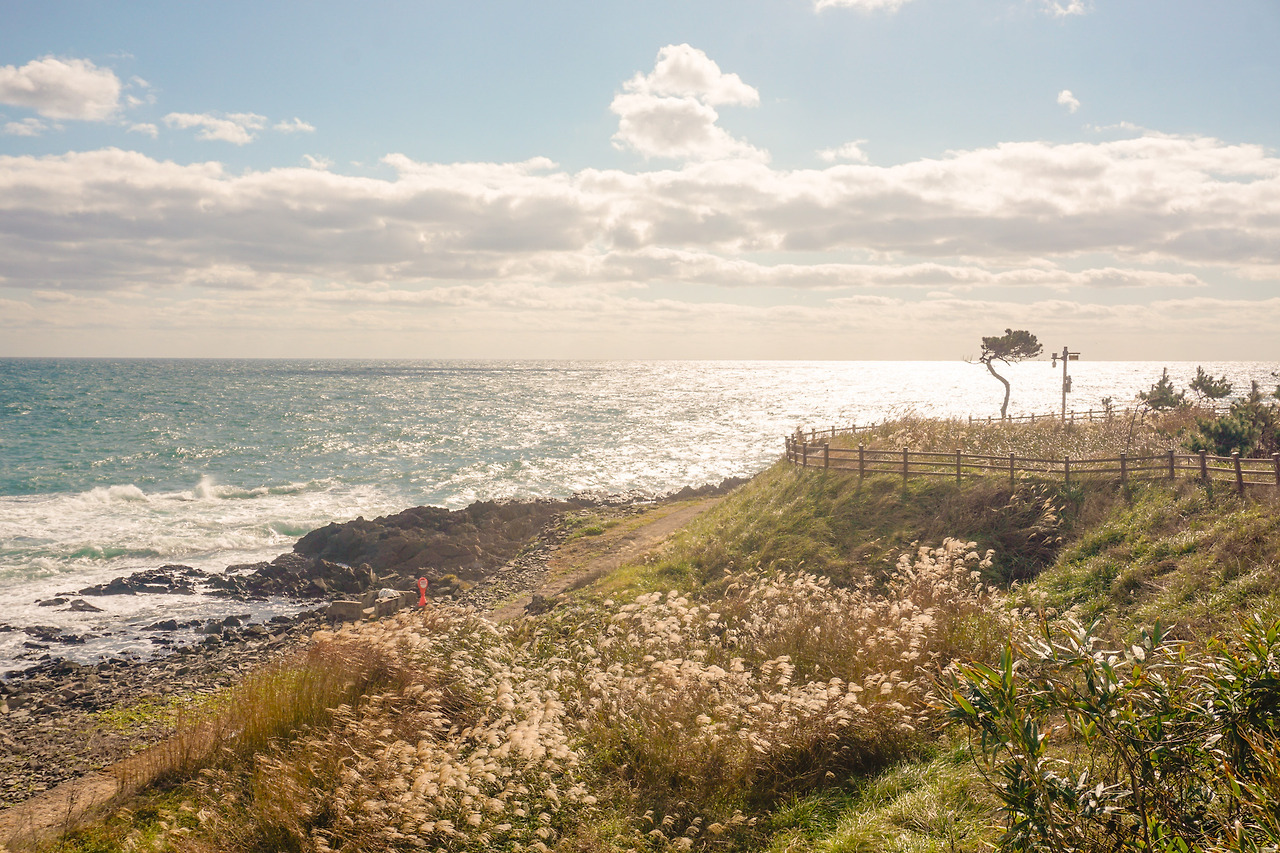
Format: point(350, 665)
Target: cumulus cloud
point(682, 71)
point(1068, 100)
point(295, 125)
point(25, 127)
point(671, 113)
point(236, 128)
point(1160, 208)
point(146, 129)
point(707, 268)
point(850, 151)
point(62, 88)
point(1063, 10)
point(862, 5)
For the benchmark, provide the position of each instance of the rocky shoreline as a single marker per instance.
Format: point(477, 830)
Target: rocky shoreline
point(59, 719)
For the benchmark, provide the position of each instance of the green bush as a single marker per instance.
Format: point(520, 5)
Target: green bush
point(1251, 426)
point(1163, 395)
point(1155, 747)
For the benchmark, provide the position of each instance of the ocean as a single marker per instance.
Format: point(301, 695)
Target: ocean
point(111, 466)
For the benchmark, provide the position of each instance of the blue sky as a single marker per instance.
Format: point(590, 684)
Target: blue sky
point(848, 179)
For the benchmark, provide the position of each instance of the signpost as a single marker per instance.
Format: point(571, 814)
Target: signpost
point(422, 592)
point(1066, 355)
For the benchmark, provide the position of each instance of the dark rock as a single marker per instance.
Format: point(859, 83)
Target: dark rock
point(163, 625)
point(397, 549)
point(47, 633)
point(542, 604)
point(52, 602)
point(166, 579)
point(82, 606)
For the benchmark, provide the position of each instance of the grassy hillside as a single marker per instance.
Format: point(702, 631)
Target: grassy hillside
point(784, 676)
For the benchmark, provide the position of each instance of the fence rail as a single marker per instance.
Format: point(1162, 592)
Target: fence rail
point(1243, 472)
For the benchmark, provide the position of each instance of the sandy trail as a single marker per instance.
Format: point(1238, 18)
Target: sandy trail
point(581, 561)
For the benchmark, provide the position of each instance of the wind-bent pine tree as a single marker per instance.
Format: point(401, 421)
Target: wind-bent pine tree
point(1013, 346)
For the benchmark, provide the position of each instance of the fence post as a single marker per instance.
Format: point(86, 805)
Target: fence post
point(1275, 463)
point(1171, 473)
point(862, 461)
point(1204, 467)
point(958, 467)
point(826, 456)
point(1235, 460)
point(970, 420)
point(1013, 472)
point(1124, 470)
point(906, 466)
point(805, 458)
point(1066, 471)
point(788, 443)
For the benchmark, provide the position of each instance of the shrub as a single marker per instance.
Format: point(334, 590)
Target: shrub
point(1155, 747)
point(1208, 388)
point(1251, 426)
point(1163, 395)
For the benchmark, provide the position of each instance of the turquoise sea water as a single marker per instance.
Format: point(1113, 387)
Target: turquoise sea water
point(107, 467)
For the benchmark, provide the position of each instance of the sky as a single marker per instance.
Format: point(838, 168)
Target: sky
point(737, 179)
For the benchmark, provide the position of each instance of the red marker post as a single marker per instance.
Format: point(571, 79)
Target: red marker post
point(422, 592)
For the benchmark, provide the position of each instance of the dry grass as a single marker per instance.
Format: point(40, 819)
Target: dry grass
point(1137, 432)
point(665, 720)
point(285, 697)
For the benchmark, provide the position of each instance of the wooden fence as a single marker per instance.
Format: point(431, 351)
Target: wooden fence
point(907, 463)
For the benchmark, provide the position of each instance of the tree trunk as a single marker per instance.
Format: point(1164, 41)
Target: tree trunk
point(1004, 408)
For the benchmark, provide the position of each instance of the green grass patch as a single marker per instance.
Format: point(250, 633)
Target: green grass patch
point(1187, 556)
point(937, 804)
point(588, 524)
point(844, 528)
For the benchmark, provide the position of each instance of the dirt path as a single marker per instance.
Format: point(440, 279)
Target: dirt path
point(580, 561)
point(55, 810)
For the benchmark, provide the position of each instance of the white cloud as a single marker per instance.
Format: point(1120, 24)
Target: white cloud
point(295, 125)
point(25, 127)
point(1009, 215)
point(670, 112)
point(145, 128)
point(682, 71)
point(1068, 100)
point(1061, 10)
point(322, 163)
point(62, 88)
point(706, 268)
point(236, 128)
point(850, 151)
point(861, 5)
